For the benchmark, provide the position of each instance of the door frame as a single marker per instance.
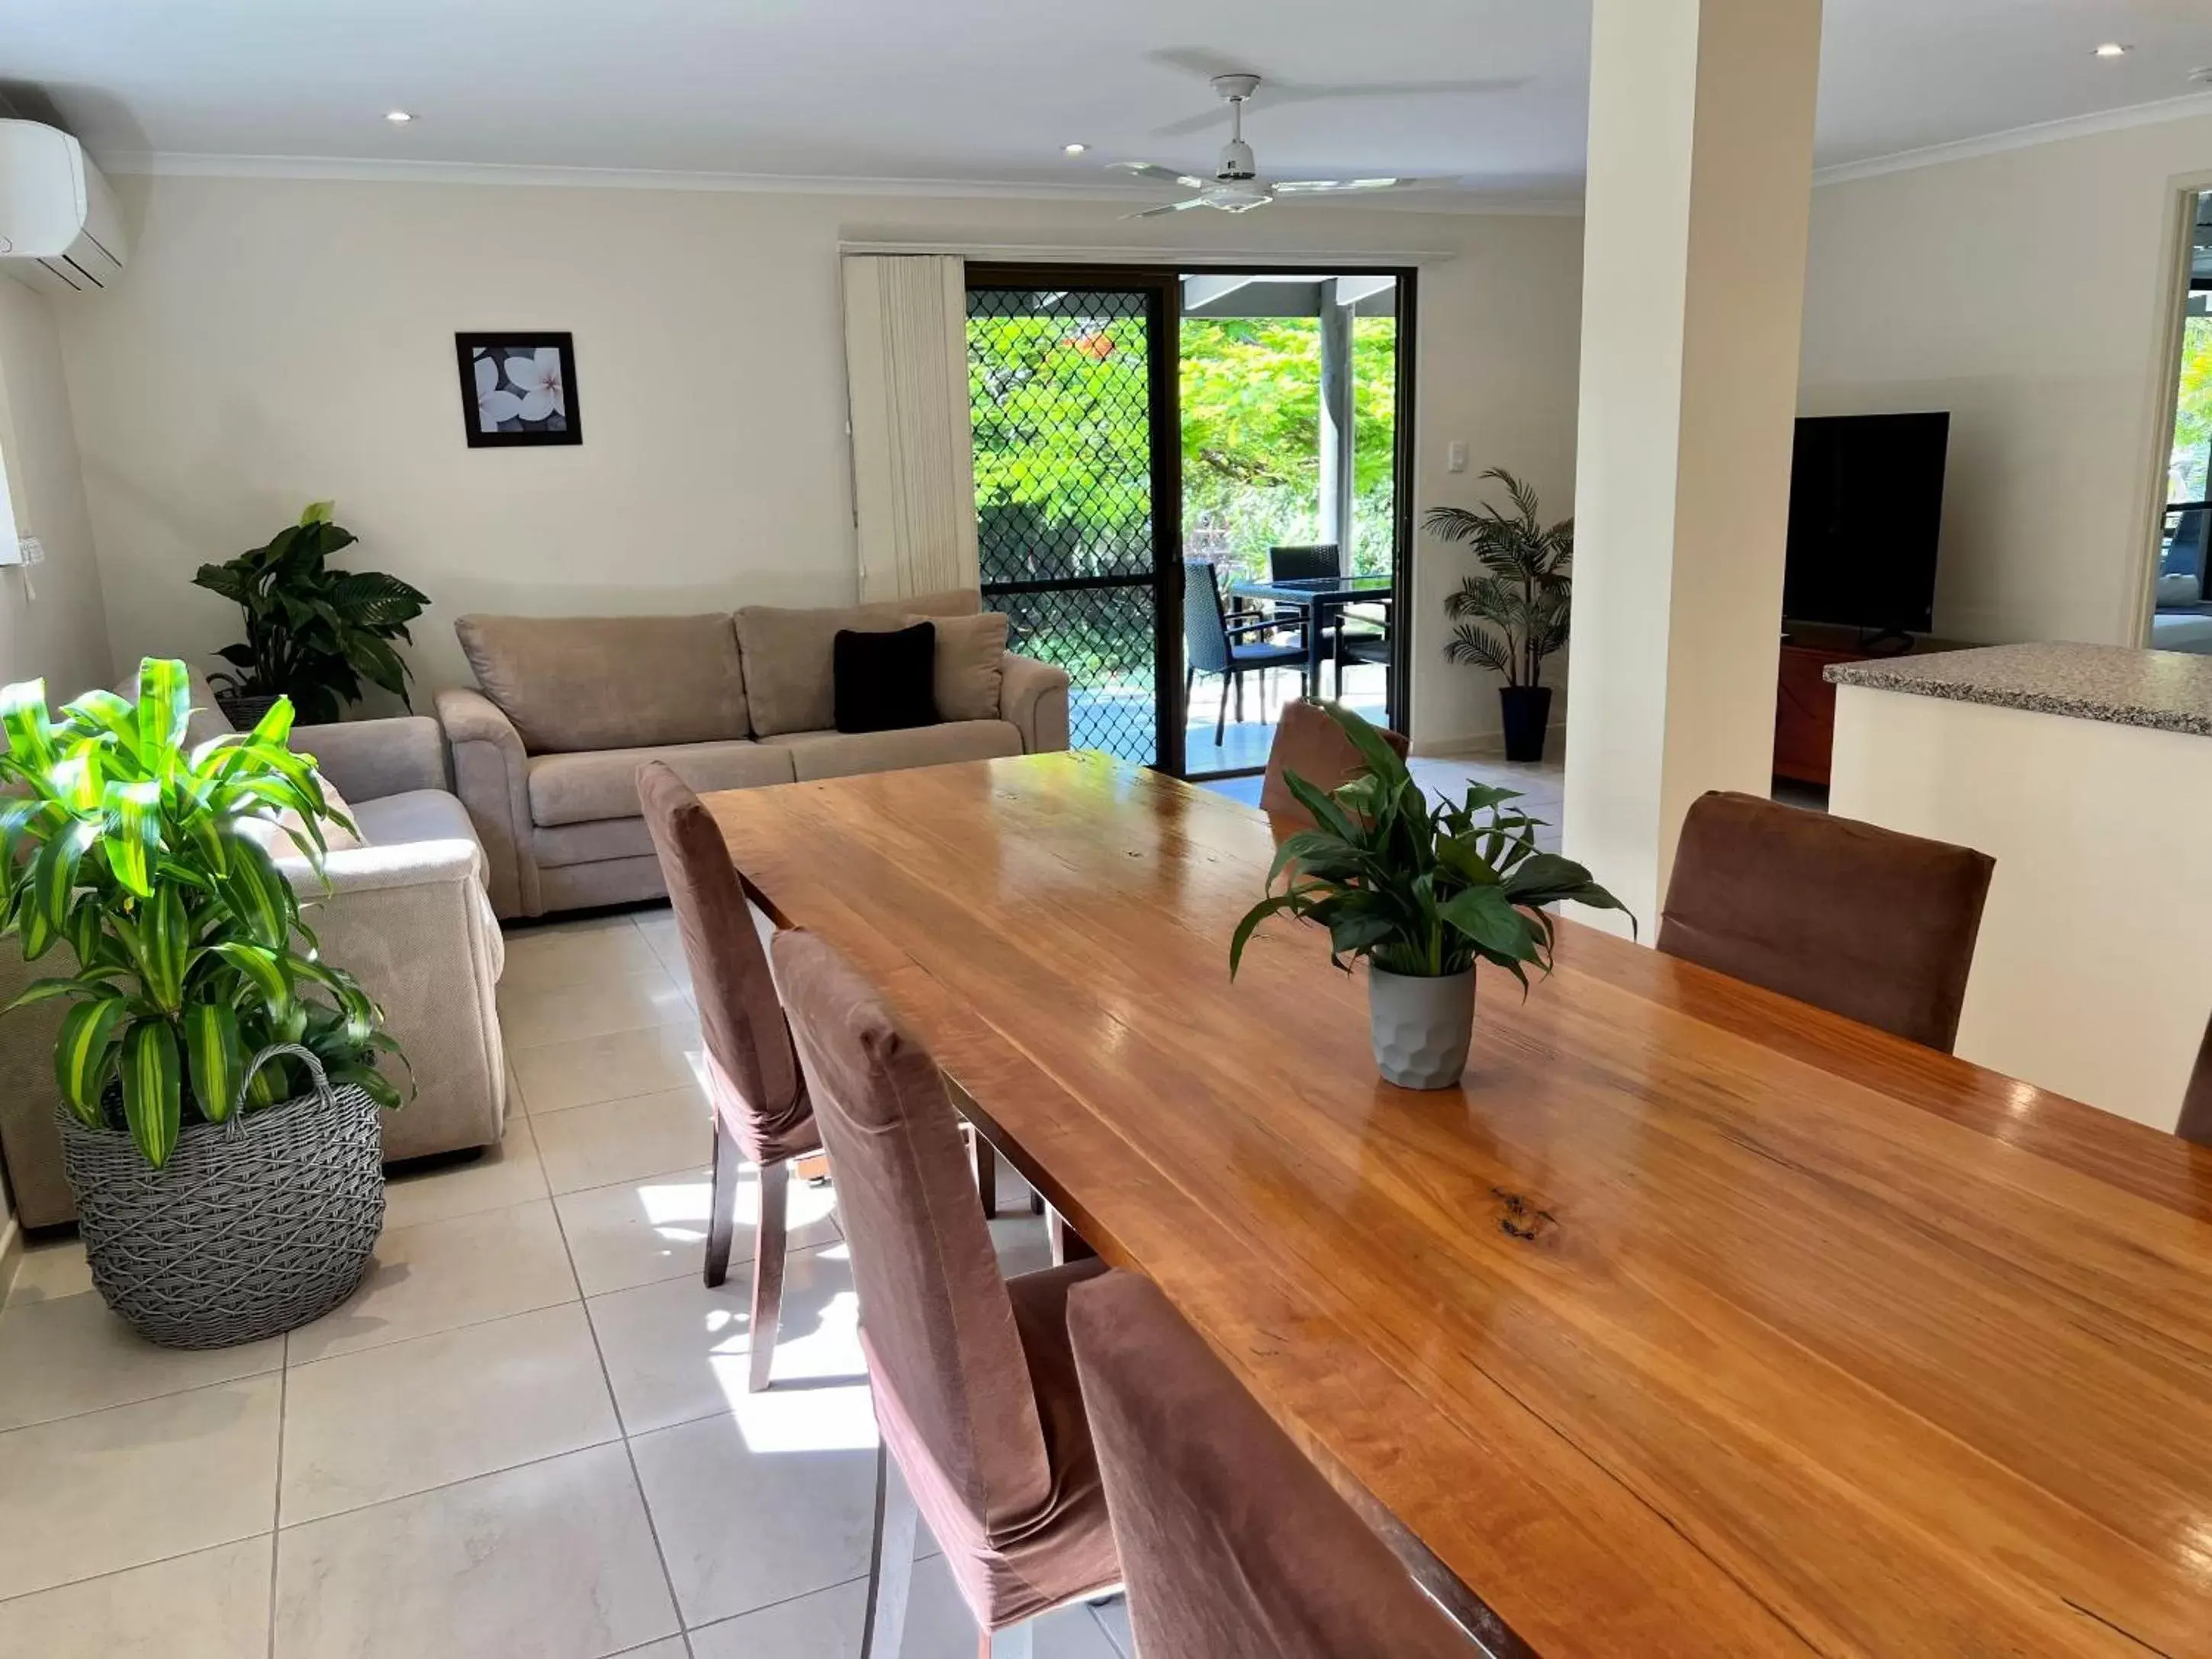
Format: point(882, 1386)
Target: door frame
point(1162, 292)
point(1162, 280)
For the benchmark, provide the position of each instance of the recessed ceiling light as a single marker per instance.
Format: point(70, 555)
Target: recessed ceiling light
point(398, 118)
point(1074, 150)
point(2113, 49)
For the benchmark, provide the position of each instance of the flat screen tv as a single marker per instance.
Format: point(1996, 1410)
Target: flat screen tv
point(1865, 508)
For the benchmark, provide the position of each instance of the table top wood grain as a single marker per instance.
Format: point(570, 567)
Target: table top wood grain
point(1695, 1321)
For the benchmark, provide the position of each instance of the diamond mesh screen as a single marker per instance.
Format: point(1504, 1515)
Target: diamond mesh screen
point(1060, 388)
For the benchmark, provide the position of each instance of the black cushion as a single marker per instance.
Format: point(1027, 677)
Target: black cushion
point(885, 682)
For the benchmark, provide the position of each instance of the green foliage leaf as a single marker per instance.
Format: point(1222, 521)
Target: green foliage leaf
point(132, 833)
point(84, 1054)
point(43, 906)
point(165, 703)
point(216, 1054)
point(153, 1103)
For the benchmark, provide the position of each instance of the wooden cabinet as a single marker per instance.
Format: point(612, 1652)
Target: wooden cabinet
point(1805, 703)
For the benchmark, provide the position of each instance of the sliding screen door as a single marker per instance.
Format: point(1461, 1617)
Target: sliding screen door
point(1072, 394)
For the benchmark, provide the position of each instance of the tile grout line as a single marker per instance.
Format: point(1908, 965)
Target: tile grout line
point(630, 1452)
point(135, 1566)
point(277, 1498)
point(148, 1399)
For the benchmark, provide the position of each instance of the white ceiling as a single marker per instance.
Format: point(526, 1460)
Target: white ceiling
point(989, 90)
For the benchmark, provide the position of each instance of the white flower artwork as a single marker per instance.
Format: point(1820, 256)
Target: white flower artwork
point(520, 389)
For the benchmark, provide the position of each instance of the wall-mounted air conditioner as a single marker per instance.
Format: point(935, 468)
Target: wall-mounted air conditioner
point(58, 227)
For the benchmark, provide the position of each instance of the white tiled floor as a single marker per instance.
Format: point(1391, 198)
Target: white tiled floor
point(528, 1432)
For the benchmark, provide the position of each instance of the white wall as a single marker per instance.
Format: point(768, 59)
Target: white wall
point(51, 623)
point(2022, 291)
point(279, 340)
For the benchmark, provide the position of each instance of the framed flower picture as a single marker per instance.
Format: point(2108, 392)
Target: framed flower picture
point(519, 389)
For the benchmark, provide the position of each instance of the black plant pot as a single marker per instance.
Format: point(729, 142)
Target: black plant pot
point(243, 713)
point(1528, 714)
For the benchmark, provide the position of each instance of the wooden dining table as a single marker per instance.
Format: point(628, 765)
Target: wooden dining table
point(1695, 1320)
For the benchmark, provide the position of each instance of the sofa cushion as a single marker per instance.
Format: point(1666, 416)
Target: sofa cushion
point(839, 754)
point(562, 845)
point(572, 684)
point(417, 815)
point(580, 788)
point(790, 682)
point(971, 654)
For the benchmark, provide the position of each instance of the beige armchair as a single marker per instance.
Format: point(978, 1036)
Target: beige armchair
point(406, 913)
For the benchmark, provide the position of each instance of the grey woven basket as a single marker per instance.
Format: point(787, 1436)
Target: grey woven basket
point(254, 1226)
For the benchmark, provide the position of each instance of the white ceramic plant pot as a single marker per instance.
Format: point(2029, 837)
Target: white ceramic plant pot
point(1420, 1027)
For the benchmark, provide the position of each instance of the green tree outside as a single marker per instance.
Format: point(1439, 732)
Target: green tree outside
point(2192, 424)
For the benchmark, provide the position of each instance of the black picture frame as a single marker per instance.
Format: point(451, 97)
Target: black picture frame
point(564, 425)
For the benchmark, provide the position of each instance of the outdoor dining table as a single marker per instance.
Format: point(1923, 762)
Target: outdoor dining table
point(1323, 601)
point(1693, 1321)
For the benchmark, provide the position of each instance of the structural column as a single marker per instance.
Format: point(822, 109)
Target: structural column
point(1693, 275)
point(1336, 416)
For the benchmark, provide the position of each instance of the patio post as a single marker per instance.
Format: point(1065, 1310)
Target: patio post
point(1336, 428)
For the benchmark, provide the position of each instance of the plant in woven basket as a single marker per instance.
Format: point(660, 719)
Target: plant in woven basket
point(141, 865)
point(311, 633)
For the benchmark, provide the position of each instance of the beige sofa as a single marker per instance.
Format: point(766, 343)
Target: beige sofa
point(546, 750)
point(406, 913)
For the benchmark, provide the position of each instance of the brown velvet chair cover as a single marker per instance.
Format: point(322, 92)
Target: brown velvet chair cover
point(753, 1077)
point(974, 1388)
point(1308, 743)
point(1233, 1546)
point(1863, 921)
point(2196, 1123)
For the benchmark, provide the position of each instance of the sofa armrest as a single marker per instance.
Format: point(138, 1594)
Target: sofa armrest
point(1033, 697)
point(492, 777)
point(411, 922)
point(370, 759)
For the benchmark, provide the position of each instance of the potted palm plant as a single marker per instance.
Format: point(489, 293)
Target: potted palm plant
point(218, 1079)
point(1423, 891)
point(312, 634)
point(1514, 612)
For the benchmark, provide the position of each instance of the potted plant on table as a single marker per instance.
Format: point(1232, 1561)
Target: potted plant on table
point(1515, 613)
point(312, 634)
point(219, 1080)
point(1423, 891)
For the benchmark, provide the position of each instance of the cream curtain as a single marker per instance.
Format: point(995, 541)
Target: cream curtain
point(914, 466)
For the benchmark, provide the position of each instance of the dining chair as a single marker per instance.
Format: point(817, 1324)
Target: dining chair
point(1232, 1544)
point(753, 1081)
point(1868, 923)
point(2196, 1123)
point(1308, 743)
point(1212, 644)
point(983, 1431)
point(1297, 564)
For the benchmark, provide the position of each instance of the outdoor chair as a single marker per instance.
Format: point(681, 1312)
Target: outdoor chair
point(1213, 645)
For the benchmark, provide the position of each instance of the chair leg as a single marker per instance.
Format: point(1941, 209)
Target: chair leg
point(987, 1171)
point(767, 1270)
point(1011, 1642)
point(1037, 1202)
point(722, 1215)
point(1239, 678)
point(890, 1566)
point(1190, 684)
point(1221, 714)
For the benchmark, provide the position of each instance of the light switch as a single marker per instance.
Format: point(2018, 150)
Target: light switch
point(1456, 458)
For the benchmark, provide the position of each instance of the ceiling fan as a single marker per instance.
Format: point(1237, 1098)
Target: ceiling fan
point(1237, 185)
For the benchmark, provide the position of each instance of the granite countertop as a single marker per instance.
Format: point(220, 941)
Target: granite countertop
point(2169, 690)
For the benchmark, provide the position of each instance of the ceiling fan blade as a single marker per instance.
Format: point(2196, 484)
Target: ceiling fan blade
point(1153, 170)
point(1166, 207)
point(1342, 186)
point(1301, 93)
point(1274, 94)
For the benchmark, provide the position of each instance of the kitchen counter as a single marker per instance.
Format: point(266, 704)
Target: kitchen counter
point(2165, 691)
point(2078, 768)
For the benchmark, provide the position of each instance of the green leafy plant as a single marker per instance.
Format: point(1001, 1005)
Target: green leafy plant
point(1422, 890)
point(1514, 613)
point(140, 860)
point(312, 634)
